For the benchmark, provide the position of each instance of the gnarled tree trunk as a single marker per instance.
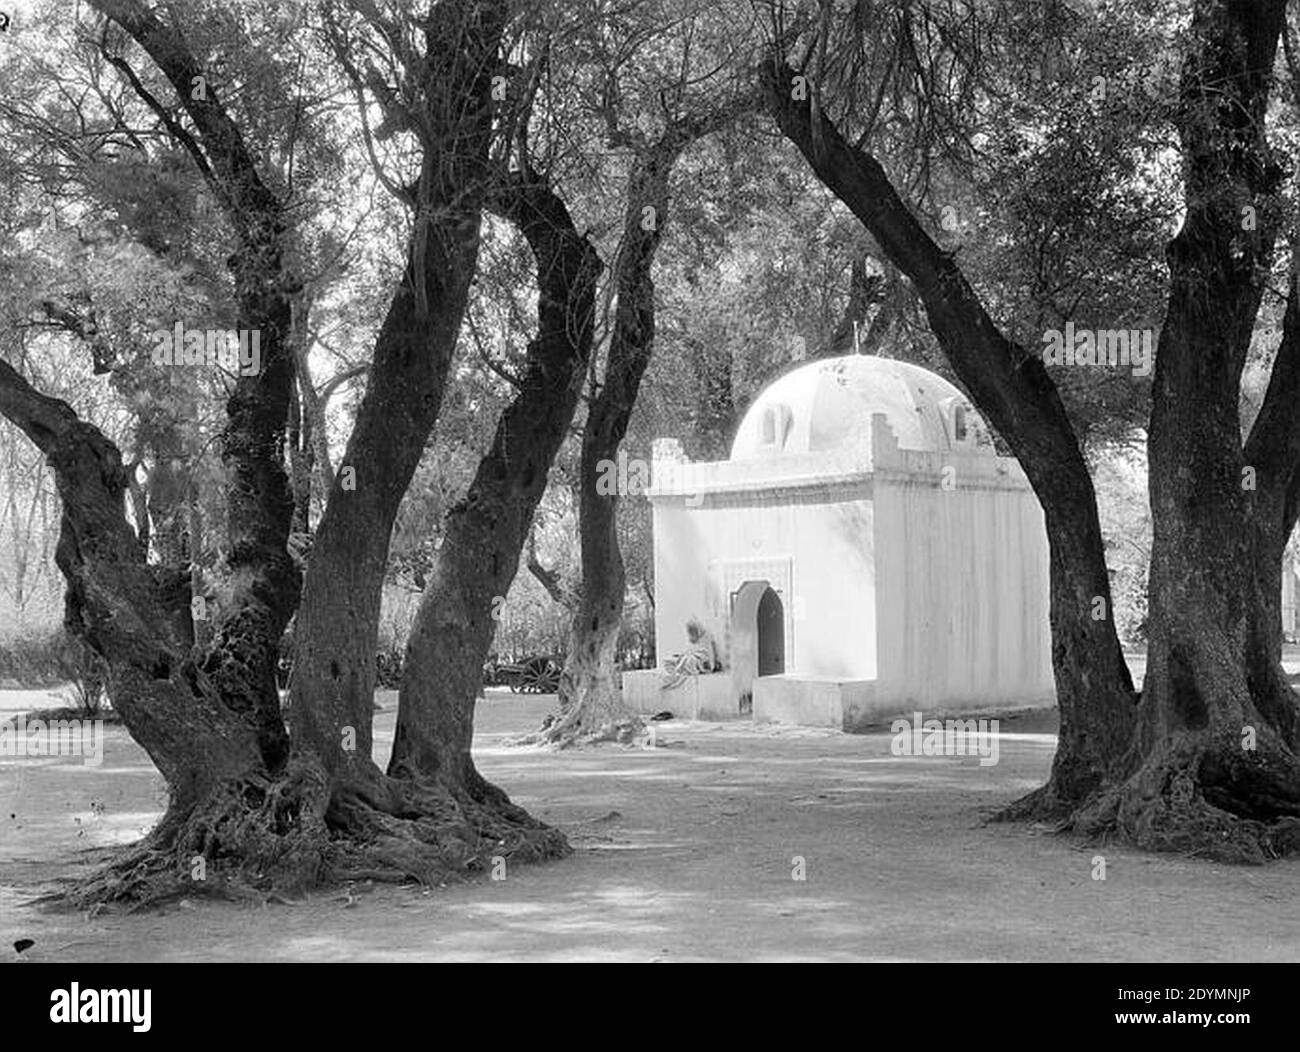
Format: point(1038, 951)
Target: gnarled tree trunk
point(257, 813)
point(1272, 451)
point(1011, 388)
point(485, 532)
point(336, 632)
point(241, 657)
point(591, 696)
point(1213, 769)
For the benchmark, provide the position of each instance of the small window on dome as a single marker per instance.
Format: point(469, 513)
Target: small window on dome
point(959, 430)
point(778, 422)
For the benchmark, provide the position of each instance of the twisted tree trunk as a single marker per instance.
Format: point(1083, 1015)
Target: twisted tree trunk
point(591, 696)
point(485, 532)
point(255, 813)
point(336, 632)
point(1272, 451)
point(1213, 768)
point(1013, 391)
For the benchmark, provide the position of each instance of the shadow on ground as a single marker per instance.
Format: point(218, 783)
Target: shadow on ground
point(685, 852)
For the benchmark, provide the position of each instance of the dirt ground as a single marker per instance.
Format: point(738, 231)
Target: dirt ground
point(684, 852)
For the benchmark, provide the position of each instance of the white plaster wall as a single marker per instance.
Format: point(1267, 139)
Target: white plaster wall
point(962, 586)
point(830, 607)
point(681, 572)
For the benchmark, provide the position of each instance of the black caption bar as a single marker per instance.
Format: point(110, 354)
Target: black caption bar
point(166, 1001)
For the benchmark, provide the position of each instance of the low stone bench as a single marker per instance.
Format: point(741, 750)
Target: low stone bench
point(709, 696)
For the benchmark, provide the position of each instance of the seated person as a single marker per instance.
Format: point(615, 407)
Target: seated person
point(701, 656)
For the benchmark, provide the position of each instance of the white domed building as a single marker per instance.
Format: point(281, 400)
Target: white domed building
point(864, 552)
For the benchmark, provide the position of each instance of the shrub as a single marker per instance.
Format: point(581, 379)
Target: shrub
point(388, 668)
point(89, 675)
point(36, 661)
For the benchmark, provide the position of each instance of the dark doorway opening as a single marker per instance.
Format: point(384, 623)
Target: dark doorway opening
point(771, 634)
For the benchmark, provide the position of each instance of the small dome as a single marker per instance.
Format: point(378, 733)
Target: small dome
point(828, 404)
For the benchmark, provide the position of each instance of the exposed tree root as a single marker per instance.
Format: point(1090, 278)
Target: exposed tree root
point(1044, 804)
point(1204, 798)
point(264, 839)
point(569, 730)
point(1075, 779)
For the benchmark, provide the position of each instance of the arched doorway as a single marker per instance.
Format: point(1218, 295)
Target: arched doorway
point(757, 637)
point(771, 634)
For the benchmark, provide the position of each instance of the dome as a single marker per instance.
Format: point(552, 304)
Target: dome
point(827, 405)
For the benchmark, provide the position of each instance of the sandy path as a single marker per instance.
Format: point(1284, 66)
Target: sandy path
point(685, 853)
